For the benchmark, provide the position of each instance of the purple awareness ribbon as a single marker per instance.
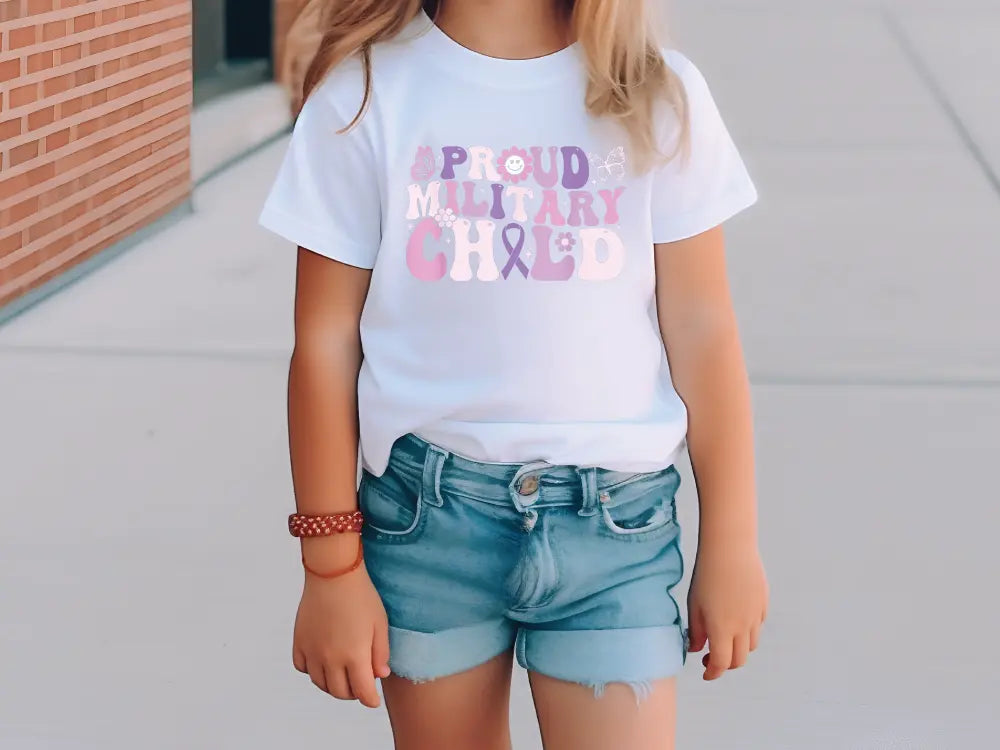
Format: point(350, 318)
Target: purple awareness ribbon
point(514, 251)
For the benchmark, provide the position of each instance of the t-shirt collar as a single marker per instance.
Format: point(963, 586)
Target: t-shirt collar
point(440, 49)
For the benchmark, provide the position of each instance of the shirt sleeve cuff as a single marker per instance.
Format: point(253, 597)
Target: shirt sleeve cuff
point(325, 243)
point(685, 226)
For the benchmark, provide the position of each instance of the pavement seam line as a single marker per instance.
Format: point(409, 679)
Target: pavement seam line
point(924, 73)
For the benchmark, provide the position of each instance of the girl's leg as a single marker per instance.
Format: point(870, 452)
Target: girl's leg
point(466, 711)
point(572, 718)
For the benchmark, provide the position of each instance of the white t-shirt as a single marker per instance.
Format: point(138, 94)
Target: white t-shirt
point(511, 315)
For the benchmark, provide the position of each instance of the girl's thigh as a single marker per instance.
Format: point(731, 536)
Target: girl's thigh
point(464, 711)
point(571, 717)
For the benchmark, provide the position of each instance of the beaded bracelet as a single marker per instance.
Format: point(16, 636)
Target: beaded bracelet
point(301, 524)
point(304, 525)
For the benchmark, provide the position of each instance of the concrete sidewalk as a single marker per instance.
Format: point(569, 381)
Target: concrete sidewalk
point(146, 400)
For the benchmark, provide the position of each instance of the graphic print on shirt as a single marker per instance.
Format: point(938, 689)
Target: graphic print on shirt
point(546, 214)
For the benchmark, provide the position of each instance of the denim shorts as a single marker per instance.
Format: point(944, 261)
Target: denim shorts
point(573, 567)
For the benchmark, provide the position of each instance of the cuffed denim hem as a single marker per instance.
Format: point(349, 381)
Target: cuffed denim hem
point(420, 657)
point(597, 658)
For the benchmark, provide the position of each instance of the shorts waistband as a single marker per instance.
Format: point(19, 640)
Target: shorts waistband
point(538, 484)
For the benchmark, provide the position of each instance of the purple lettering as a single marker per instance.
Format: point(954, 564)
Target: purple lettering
point(453, 156)
point(544, 269)
point(576, 168)
point(545, 177)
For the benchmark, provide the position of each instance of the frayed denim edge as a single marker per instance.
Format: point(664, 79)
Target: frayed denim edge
point(642, 689)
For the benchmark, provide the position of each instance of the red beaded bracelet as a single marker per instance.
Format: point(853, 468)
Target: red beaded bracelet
point(300, 524)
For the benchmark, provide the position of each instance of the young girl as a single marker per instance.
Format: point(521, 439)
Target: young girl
point(511, 290)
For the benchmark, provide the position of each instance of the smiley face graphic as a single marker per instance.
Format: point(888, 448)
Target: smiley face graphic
point(514, 165)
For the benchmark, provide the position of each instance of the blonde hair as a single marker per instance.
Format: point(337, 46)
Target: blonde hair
point(628, 77)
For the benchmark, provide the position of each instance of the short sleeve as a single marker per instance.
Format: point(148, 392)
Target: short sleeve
point(326, 196)
point(700, 190)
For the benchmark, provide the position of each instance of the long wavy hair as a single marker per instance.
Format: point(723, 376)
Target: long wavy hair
point(628, 78)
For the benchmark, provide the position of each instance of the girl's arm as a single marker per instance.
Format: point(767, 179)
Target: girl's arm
point(341, 633)
point(322, 388)
point(728, 597)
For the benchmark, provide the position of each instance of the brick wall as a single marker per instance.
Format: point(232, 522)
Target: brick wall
point(94, 128)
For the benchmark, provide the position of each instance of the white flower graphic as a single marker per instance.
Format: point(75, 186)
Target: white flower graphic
point(445, 217)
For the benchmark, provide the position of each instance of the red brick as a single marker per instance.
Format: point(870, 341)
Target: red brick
point(13, 185)
point(10, 243)
point(87, 75)
point(83, 23)
point(111, 15)
point(176, 92)
point(44, 227)
point(71, 107)
point(24, 152)
point(22, 37)
point(11, 9)
point(59, 192)
point(23, 209)
point(101, 44)
point(40, 6)
point(167, 140)
point(70, 53)
point(40, 61)
point(138, 58)
point(179, 46)
point(23, 95)
point(41, 174)
point(83, 155)
point(53, 30)
point(10, 69)
point(10, 128)
point(41, 118)
point(56, 140)
point(74, 212)
point(118, 164)
point(58, 84)
point(63, 243)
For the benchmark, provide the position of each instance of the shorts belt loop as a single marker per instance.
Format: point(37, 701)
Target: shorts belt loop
point(430, 490)
point(588, 480)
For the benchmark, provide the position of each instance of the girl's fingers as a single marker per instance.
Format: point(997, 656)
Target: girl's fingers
point(754, 637)
point(315, 671)
point(720, 656)
point(741, 649)
point(363, 683)
point(380, 650)
point(337, 683)
point(299, 660)
point(696, 632)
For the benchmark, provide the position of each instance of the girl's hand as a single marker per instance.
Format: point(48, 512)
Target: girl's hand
point(342, 636)
point(727, 604)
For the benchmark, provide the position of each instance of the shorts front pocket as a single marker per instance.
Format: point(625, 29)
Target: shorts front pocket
point(642, 509)
point(393, 511)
